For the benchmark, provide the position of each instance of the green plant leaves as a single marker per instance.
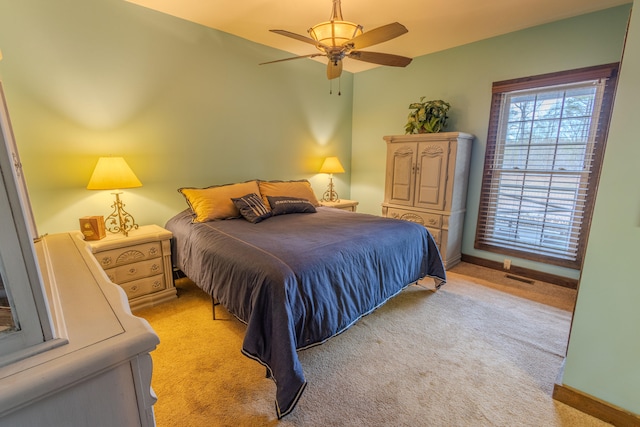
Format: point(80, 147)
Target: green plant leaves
point(427, 116)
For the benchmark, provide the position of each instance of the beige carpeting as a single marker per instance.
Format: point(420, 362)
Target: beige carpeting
point(481, 351)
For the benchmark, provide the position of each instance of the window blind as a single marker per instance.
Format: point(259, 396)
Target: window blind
point(544, 149)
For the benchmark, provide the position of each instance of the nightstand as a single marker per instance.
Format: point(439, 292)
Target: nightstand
point(346, 205)
point(140, 263)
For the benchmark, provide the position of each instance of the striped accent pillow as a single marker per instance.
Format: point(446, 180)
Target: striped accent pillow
point(252, 208)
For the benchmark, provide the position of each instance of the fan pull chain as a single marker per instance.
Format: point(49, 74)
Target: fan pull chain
point(339, 86)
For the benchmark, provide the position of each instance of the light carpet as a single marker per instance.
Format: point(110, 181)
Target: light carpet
point(477, 352)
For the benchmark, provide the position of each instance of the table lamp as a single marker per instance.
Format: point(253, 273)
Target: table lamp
point(113, 173)
point(331, 165)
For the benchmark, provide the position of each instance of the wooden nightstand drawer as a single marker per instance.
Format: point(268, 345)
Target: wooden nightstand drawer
point(140, 263)
point(115, 257)
point(138, 270)
point(345, 205)
point(145, 286)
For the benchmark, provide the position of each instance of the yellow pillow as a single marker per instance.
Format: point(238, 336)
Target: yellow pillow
point(215, 202)
point(300, 189)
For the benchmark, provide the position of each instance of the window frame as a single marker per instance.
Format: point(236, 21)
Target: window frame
point(609, 73)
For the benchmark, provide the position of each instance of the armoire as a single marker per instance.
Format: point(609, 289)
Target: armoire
point(426, 182)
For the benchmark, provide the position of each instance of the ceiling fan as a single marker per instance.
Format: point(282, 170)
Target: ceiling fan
point(338, 39)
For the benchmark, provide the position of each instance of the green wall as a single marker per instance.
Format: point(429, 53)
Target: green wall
point(184, 104)
point(603, 359)
point(604, 348)
point(188, 106)
point(463, 77)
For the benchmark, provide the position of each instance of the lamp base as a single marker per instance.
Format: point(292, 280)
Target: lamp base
point(120, 221)
point(330, 195)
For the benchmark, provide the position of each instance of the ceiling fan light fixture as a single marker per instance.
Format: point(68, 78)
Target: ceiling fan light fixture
point(335, 33)
point(338, 39)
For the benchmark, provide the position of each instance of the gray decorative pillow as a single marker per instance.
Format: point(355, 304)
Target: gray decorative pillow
point(288, 205)
point(251, 208)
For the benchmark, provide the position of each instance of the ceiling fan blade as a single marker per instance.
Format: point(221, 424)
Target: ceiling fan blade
point(300, 38)
point(381, 58)
point(378, 35)
point(334, 69)
point(294, 57)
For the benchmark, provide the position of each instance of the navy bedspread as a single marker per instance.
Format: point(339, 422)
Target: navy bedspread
point(297, 280)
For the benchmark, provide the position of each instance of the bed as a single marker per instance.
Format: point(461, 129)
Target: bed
point(298, 279)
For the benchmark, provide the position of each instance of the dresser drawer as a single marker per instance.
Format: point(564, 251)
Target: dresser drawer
point(437, 235)
point(145, 286)
point(116, 257)
point(431, 222)
point(139, 263)
point(423, 218)
point(137, 270)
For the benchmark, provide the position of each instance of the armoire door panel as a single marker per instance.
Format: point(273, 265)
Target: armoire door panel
point(402, 178)
point(432, 175)
point(429, 185)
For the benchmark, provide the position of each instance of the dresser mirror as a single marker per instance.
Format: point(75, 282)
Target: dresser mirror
point(25, 322)
point(7, 324)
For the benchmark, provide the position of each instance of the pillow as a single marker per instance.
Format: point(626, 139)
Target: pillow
point(289, 205)
point(252, 208)
point(301, 189)
point(215, 202)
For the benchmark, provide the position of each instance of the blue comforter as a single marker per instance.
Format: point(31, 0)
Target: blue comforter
point(297, 280)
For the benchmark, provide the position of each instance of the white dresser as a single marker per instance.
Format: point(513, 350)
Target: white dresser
point(426, 182)
point(98, 370)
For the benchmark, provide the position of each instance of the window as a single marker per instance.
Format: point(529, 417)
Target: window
point(544, 149)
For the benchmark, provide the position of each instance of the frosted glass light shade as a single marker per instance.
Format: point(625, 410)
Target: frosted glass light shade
point(335, 33)
point(112, 173)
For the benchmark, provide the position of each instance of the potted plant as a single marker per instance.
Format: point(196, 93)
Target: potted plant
point(427, 116)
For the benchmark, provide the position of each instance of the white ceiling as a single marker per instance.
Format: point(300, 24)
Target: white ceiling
point(433, 25)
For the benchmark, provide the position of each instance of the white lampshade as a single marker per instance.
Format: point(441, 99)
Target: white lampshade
point(331, 165)
point(112, 173)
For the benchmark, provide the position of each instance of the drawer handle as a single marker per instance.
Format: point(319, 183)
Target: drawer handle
point(155, 267)
point(133, 289)
point(111, 277)
point(432, 221)
point(132, 271)
point(106, 261)
point(153, 251)
point(395, 215)
point(157, 284)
